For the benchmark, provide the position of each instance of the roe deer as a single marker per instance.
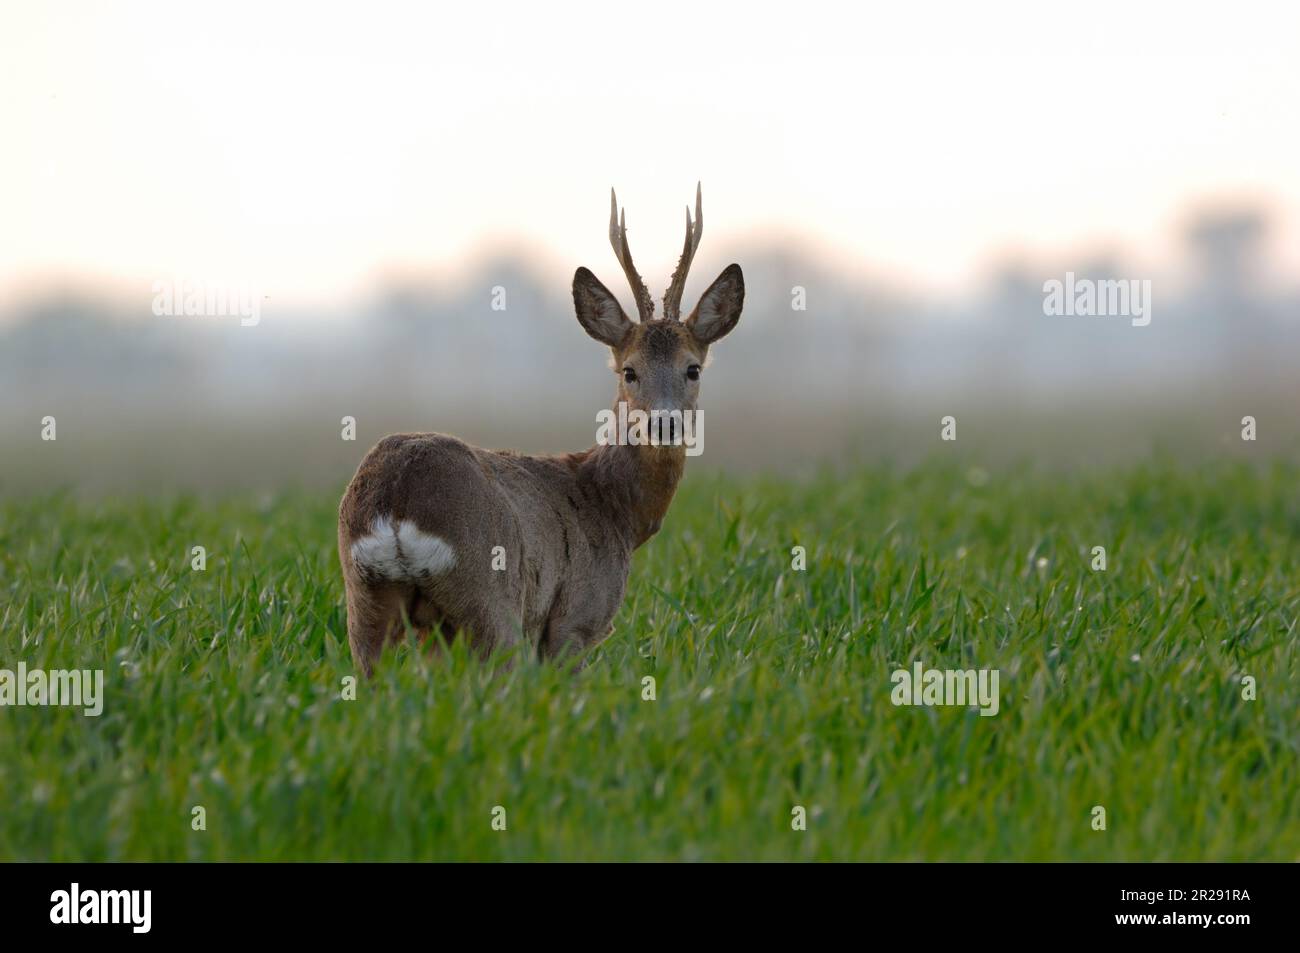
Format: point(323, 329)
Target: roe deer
point(420, 520)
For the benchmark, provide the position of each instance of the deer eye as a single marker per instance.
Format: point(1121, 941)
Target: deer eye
point(629, 375)
point(693, 372)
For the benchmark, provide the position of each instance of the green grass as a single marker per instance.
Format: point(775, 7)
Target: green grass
point(1118, 689)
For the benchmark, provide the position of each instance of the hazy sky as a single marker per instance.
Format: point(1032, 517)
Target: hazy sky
point(308, 148)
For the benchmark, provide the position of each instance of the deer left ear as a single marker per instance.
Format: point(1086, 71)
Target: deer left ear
point(719, 307)
point(599, 312)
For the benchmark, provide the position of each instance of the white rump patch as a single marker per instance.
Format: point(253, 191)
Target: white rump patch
point(401, 553)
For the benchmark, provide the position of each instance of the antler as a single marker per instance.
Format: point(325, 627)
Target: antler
point(673, 296)
point(645, 306)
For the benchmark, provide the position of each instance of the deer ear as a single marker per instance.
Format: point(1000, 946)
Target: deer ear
point(599, 312)
point(719, 307)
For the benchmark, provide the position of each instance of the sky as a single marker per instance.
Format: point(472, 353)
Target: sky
point(310, 150)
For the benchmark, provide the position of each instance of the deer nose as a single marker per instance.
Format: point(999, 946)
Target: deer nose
point(666, 429)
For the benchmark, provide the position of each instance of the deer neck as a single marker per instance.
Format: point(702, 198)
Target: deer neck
point(634, 485)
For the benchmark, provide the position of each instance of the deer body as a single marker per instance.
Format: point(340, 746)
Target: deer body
point(507, 547)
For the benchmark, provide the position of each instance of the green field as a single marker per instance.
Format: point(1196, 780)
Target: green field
point(1119, 688)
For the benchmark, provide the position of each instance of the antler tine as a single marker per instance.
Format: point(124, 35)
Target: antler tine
point(645, 306)
point(673, 296)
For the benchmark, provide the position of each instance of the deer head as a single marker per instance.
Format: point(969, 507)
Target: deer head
point(658, 361)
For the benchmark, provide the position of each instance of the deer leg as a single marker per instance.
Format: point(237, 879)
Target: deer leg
point(567, 638)
point(492, 631)
point(374, 617)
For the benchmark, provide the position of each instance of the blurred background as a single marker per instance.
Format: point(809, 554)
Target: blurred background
point(382, 178)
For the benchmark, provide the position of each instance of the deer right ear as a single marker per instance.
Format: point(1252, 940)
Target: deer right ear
point(599, 312)
point(719, 307)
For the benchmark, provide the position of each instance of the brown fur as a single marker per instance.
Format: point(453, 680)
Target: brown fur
point(568, 523)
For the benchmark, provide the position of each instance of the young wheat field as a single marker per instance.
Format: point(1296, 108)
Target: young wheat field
point(226, 689)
